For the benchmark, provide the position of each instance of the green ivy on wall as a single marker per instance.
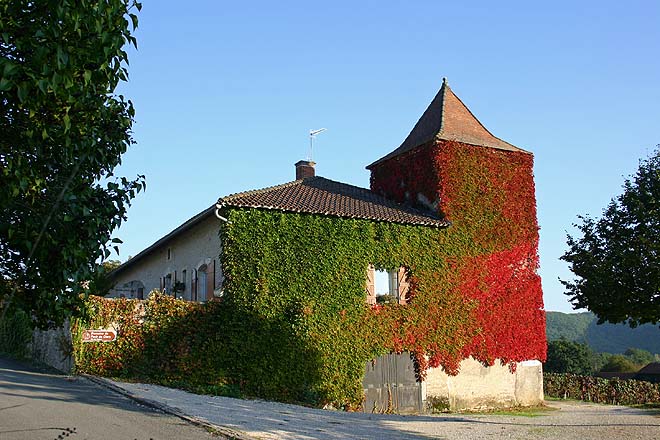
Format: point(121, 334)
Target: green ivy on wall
point(302, 281)
point(294, 325)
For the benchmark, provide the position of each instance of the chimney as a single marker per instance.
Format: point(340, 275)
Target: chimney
point(304, 169)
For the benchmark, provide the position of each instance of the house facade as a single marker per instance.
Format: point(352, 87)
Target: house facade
point(184, 263)
point(437, 259)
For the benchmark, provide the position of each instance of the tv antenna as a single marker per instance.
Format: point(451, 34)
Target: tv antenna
point(312, 135)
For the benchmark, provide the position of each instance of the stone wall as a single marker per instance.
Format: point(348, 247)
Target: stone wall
point(53, 348)
point(477, 387)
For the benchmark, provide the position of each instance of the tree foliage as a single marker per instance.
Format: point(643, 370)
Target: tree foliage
point(618, 363)
point(568, 357)
point(617, 259)
point(100, 283)
point(63, 133)
point(639, 357)
point(610, 338)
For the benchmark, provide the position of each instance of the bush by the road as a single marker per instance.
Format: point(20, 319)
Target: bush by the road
point(15, 333)
point(598, 390)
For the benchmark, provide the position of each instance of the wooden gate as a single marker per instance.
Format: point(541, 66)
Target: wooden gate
point(390, 385)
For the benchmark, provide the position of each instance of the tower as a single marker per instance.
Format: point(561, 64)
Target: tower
point(452, 164)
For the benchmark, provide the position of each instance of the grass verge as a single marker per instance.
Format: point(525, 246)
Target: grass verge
point(519, 411)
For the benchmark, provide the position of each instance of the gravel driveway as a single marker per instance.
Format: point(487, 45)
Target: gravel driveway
point(259, 419)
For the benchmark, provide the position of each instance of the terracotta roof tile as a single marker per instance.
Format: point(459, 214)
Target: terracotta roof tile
point(447, 118)
point(318, 195)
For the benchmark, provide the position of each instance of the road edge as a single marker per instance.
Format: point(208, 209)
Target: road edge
point(227, 433)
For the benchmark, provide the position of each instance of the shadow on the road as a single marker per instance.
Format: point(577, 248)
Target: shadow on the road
point(65, 432)
point(274, 420)
point(22, 380)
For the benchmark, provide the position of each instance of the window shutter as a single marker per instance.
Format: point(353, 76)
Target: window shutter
point(193, 285)
point(210, 282)
point(404, 286)
point(371, 285)
point(186, 292)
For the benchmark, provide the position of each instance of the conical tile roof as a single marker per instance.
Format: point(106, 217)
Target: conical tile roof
point(447, 118)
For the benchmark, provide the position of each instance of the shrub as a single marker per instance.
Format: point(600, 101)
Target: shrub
point(598, 390)
point(15, 333)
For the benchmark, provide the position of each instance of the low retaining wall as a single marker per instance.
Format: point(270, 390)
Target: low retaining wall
point(53, 348)
point(477, 387)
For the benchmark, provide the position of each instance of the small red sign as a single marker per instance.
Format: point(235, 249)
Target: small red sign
point(99, 335)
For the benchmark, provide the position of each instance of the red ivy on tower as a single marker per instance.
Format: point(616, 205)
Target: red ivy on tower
point(452, 164)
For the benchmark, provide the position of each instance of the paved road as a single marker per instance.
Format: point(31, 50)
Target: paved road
point(259, 419)
point(38, 405)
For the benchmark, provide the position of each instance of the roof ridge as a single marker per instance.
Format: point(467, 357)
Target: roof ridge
point(265, 189)
point(443, 89)
point(320, 195)
point(383, 198)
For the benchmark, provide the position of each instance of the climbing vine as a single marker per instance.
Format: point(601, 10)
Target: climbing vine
point(294, 324)
point(492, 245)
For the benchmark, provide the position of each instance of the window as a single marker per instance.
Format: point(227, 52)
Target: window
point(167, 283)
point(183, 280)
point(132, 289)
point(202, 283)
point(387, 287)
point(169, 254)
point(217, 280)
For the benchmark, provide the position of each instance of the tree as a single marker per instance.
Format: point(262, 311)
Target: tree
point(599, 360)
point(639, 357)
point(618, 363)
point(100, 283)
point(568, 357)
point(63, 131)
point(617, 259)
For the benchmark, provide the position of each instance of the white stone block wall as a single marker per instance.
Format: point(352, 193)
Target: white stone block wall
point(477, 387)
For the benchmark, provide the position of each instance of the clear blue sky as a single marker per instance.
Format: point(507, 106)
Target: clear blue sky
point(226, 93)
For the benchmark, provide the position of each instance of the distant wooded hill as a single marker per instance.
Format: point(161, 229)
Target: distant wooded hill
point(608, 338)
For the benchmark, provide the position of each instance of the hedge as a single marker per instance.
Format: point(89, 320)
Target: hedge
point(599, 390)
point(15, 333)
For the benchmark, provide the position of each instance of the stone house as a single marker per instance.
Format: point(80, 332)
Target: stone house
point(412, 185)
point(184, 262)
point(188, 257)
